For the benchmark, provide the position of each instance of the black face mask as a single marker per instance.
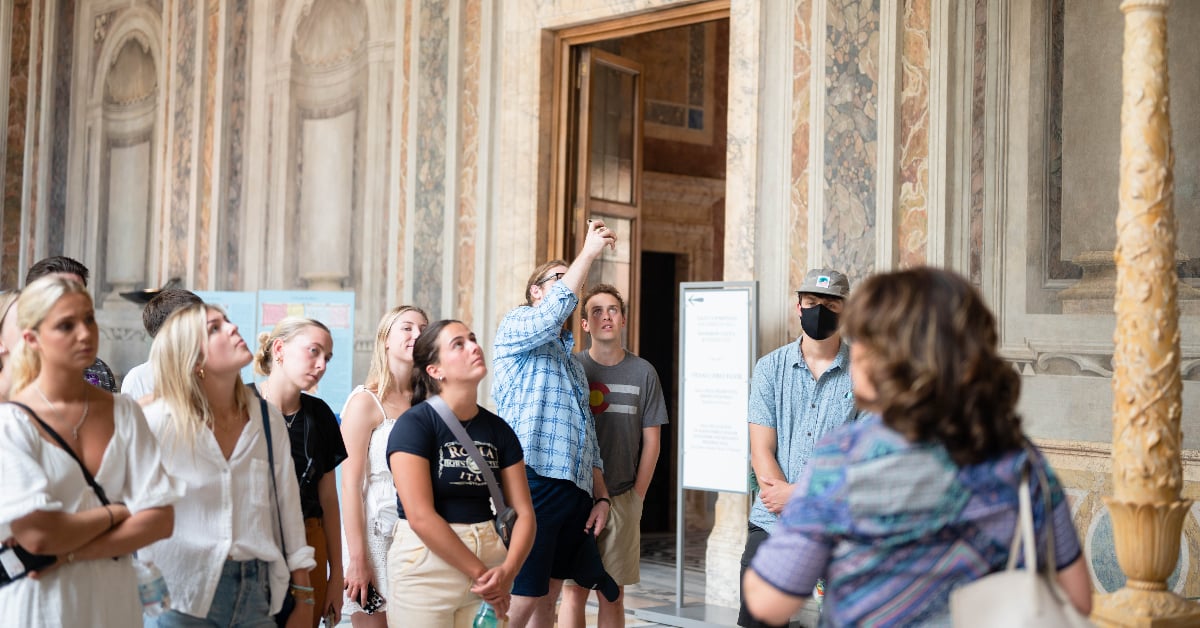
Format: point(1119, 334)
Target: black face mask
point(818, 322)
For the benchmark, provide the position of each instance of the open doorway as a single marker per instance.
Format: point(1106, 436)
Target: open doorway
point(640, 140)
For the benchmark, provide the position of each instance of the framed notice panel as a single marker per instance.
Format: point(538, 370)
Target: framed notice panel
point(717, 349)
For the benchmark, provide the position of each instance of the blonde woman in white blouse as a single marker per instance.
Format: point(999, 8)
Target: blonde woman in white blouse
point(46, 503)
point(224, 565)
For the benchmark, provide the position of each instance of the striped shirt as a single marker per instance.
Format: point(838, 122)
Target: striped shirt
point(895, 526)
point(542, 392)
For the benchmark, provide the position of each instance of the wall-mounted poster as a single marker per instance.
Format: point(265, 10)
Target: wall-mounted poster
point(336, 311)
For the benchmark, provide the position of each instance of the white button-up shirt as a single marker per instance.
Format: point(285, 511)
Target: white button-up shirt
point(228, 509)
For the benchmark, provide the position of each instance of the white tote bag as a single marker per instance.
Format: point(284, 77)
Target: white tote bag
point(1019, 597)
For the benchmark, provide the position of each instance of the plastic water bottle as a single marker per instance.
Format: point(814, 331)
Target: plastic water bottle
point(156, 600)
point(486, 617)
point(819, 594)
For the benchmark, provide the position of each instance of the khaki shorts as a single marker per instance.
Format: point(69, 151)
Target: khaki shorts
point(425, 591)
point(621, 541)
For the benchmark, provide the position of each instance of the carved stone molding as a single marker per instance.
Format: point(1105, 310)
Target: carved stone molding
point(331, 32)
point(1087, 360)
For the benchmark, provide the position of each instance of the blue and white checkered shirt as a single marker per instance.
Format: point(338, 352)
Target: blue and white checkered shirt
point(543, 392)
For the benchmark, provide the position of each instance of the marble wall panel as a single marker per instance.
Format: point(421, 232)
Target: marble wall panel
point(801, 127)
point(209, 134)
point(468, 125)
point(403, 80)
point(236, 84)
point(182, 164)
point(851, 130)
point(56, 209)
point(36, 106)
point(14, 151)
point(913, 164)
point(430, 169)
point(978, 92)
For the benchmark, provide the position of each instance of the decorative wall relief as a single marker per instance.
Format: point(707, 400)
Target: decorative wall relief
point(851, 125)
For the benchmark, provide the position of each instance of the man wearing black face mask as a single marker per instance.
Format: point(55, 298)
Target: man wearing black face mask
point(799, 392)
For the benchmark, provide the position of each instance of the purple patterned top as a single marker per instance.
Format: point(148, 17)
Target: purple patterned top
point(895, 526)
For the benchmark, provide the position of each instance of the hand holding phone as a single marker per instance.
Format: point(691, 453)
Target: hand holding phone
point(374, 600)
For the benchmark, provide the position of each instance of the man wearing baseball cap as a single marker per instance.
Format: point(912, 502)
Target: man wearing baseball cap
point(799, 393)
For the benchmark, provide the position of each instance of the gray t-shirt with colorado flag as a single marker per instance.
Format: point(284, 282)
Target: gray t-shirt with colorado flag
point(625, 398)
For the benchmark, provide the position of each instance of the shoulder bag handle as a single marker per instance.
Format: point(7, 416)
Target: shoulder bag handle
point(1024, 527)
point(452, 422)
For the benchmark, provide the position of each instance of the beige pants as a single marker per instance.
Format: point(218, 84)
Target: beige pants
point(426, 591)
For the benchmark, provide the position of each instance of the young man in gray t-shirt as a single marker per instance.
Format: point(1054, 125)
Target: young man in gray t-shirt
point(627, 403)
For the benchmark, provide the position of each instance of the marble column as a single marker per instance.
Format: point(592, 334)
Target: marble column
point(1147, 511)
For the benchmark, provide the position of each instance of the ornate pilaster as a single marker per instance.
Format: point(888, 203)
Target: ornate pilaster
point(1146, 508)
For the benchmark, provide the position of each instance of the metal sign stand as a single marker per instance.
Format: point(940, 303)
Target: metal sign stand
point(728, 301)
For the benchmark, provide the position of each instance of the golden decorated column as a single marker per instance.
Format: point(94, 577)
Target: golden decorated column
point(1147, 512)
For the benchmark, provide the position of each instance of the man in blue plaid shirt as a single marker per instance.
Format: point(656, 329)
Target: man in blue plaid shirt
point(543, 394)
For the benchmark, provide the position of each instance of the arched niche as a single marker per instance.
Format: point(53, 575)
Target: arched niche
point(327, 136)
point(121, 203)
point(330, 84)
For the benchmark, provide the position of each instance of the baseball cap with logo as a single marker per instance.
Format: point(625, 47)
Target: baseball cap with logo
point(825, 281)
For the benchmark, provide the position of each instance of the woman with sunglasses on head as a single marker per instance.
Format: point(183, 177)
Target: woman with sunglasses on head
point(293, 357)
point(49, 507)
point(369, 497)
point(447, 556)
point(226, 564)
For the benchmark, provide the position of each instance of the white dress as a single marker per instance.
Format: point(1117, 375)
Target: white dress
point(38, 475)
point(379, 497)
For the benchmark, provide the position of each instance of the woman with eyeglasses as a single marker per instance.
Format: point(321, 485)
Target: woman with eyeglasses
point(447, 556)
point(293, 356)
point(226, 564)
point(49, 508)
point(369, 498)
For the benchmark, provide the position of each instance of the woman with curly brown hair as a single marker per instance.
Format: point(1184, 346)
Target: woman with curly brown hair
point(897, 510)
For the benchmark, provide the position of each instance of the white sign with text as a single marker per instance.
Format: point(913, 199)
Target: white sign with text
point(717, 351)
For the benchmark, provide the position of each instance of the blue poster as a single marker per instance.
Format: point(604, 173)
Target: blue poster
point(336, 311)
point(241, 309)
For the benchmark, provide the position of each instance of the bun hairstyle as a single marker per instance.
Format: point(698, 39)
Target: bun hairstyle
point(286, 329)
point(379, 377)
point(935, 366)
point(425, 353)
point(35, 302)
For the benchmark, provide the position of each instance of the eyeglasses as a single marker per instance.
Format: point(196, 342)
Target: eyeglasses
point(549, 278)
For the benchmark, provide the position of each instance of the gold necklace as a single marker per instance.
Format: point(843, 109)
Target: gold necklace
point(87, 401)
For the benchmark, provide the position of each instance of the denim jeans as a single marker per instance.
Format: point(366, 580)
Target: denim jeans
point(242, 600)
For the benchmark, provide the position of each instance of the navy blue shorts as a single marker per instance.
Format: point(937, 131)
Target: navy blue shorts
point(562, 510)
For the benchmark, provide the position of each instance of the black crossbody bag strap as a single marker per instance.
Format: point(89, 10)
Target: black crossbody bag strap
point(274, 483)
point(87, 475)
point(452, 422)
